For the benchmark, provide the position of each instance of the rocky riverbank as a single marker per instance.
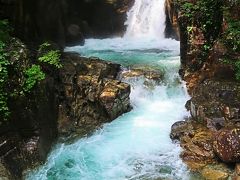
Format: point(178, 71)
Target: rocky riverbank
point(210, 137)
point(72, 101)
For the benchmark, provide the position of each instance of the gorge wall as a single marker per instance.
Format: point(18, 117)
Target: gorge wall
point(209, 64)
point(65, 22)
point(72, 101)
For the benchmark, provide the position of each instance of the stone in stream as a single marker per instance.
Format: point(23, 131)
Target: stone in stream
point(152, 77)
point(148, 72)
point(93, 93)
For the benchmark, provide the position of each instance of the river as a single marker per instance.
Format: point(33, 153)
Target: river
point(135, 146)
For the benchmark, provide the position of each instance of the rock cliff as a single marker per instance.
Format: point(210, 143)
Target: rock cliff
point(72, 101)
point(209, 66)
point(65, 22)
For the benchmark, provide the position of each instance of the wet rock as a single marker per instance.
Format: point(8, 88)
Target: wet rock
point(215, 173)
point(180, 129)
point(199, 148)
point(172, 27)
point(115, 98)
point(149, 74)
point(4, 173)
point(216, 123)
point(74, 35)
point(227, 144)
point(237, 169)
point(236, 175)
point(196, 142)
point(224, 104)
point(195, 166)
point(93, 94)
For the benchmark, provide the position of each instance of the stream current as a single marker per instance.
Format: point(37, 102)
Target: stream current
point(135, 146)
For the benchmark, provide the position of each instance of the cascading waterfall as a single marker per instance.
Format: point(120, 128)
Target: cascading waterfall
point(146, 19)
point(136, 145)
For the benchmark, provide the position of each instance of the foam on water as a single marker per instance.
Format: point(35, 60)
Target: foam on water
point(135, 146)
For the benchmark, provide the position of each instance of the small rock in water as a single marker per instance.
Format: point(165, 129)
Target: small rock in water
point(215, 172)
point(149, 74)
point(180, 128)
point(70, 163)
point(165, 170)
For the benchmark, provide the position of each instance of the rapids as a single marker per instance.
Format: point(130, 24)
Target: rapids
point(137, 144)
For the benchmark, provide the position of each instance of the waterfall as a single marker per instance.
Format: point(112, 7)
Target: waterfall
point(146, 19)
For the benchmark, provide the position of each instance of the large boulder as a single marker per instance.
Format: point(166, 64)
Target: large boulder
point(227, 144)
point(93, 95)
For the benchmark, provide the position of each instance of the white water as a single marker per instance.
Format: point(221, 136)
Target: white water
point(146, 19)
point(137, 144)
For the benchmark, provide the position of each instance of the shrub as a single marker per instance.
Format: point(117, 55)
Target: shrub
point(33, 75)
point(49, 56)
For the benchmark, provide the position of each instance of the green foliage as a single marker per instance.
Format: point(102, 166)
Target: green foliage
point(204, 14)
point(231, 37)
point(4, 30)
point(18, 75)
point(4, 111)
point(4, 36)
point(237, 69)
point(49, 56)
point(188, 9)
point(33, 75)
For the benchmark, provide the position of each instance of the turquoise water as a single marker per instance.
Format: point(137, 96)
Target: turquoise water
point(137, 144)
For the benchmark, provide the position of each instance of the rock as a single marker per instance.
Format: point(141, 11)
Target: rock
point(237, 169)
point(93, 94)
point(4, 174)
point(224, 104)
point(199, 148)
point(227, 144)
point(115, 98)
point(181, 128)
point(149, 74)
point(216, 123)
point(195, 166)
point(213, 173)
point(172, 27)
point(196, 142)
point(236, 175)
point(74, 35)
